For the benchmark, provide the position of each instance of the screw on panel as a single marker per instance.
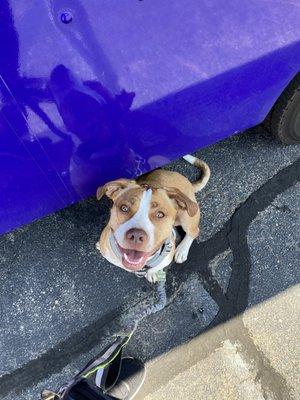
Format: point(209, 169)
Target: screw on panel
point(66, 17)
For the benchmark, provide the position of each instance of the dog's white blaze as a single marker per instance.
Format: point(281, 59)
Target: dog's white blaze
point(140, 220)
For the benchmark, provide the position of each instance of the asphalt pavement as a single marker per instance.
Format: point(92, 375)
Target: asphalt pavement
point(231, 326)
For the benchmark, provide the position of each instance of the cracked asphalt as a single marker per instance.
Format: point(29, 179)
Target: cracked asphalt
point(231, 326)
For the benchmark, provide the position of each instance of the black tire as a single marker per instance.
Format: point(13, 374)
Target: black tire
point(285, 114)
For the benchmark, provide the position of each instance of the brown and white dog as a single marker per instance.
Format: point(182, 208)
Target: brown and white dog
point(140, 231)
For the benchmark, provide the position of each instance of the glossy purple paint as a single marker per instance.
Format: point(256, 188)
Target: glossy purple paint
point(94, 90)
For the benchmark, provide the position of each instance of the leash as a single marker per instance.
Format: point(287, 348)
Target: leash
point(96, 378)
point(130, 322)
point(102, 372)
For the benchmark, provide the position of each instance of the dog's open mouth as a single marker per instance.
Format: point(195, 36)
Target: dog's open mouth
point(134, 259)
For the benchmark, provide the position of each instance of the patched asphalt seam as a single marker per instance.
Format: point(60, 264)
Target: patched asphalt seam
point(55, 359)
point(232, 235)
point(199, 258)
point(238, 289)
point(235, 301)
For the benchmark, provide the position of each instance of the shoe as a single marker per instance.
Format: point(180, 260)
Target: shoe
point(131, 378)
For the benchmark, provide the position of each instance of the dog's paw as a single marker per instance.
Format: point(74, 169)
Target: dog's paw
point(151, 276)
point(181, 253)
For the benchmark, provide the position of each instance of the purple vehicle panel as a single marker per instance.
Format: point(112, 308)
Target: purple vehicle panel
point(95, 90)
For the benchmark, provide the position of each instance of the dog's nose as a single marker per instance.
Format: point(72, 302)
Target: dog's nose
point(136, 236)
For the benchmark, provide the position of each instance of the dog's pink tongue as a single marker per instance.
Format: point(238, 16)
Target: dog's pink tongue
point(134, 260)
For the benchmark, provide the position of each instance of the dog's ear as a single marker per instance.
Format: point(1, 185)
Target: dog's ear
point(182, 201)
point(113, 188)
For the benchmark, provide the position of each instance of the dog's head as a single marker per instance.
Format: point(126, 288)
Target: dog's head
point(142, 218)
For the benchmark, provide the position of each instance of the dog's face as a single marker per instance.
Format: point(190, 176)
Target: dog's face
point(142, 218)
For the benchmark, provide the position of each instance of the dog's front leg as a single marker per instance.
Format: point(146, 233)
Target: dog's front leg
point(151, 274)
point(182, 250)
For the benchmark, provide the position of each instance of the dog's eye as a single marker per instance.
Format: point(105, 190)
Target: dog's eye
point(160, 214)
point(124, 208)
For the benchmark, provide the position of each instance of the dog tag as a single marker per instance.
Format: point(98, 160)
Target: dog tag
point(161, 276)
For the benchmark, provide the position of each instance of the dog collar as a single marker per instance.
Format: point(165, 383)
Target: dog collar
point(155, 260)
